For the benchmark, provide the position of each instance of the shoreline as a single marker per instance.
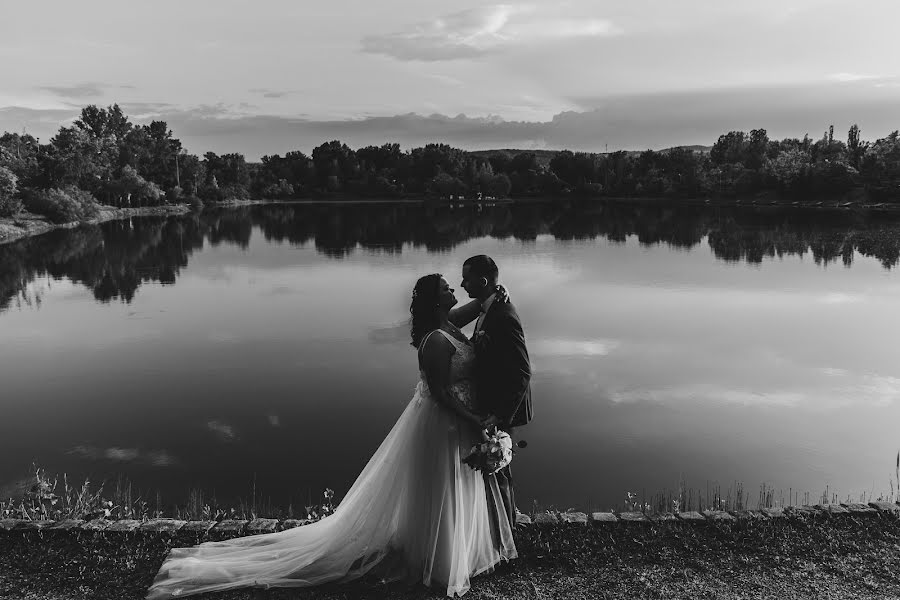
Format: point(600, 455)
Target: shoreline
point(30, 225)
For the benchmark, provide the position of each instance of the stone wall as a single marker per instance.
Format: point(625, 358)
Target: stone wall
point(199, 531)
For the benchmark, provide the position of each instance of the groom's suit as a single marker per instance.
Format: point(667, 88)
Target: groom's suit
point(502, 376)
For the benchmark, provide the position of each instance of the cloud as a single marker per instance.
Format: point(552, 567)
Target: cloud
point(479, 31)
point(634, 122)
point(156, 458)
point(267, 93)
point(445, 79)
point(224, 431)
point(78, 91)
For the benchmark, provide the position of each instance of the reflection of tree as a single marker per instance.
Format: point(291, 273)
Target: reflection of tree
point(115, 258)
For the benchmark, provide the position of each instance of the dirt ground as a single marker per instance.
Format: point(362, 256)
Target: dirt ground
point(819, 556)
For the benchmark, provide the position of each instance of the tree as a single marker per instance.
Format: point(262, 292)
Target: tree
point(789, 169)
point(881, 166)
point(756, 149)
point(20, 154)
point(101, 123)
point(76, 157)
point(729, 148)
point(445, 185)
point(335, 164)
point(497, 186)
point(855, 148)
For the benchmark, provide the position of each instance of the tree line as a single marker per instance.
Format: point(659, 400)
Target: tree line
point(103, 158)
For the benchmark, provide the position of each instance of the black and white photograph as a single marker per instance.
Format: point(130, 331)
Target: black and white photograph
point(406, 299)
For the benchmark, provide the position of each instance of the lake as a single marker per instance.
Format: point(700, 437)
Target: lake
point(671, 345)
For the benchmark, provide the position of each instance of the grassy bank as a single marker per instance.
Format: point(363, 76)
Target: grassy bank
point(27, 224)
point(814, 555)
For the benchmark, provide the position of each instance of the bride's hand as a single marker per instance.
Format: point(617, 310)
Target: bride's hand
point(476, 422)
point(502, 294)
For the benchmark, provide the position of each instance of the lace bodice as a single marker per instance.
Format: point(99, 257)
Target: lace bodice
point(462, 371)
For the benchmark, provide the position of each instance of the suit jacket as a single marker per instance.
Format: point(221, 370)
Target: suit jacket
point(502, 367)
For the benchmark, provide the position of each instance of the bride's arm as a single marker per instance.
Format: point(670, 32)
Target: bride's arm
point(434, 359)
point(465, 314)
point(468, 312)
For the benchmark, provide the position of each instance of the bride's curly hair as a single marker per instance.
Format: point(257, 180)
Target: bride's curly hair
point(424, 307)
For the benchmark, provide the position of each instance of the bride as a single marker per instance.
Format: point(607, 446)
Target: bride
point(415, 513)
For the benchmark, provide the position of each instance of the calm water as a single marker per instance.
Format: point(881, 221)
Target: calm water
point(712, 346)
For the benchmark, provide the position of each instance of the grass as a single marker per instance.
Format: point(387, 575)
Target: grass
point(54, 498)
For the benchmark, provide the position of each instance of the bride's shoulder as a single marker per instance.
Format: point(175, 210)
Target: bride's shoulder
point(436, 338)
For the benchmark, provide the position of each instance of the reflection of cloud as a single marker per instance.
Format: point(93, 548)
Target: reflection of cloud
point(157, 458)
point(478, 31)
point(16, 489)
point(280, 290)
point(223, 431)
point(848, 77)
point(857, 390)
point(834, 372)
point(222, 337)
point(877, 389)
point(707, 394)
point(839, 298)
point(564, 347)
point(399, 332)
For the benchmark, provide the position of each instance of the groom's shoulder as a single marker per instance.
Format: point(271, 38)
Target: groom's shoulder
point(507, 309)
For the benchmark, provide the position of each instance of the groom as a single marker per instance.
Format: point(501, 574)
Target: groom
point(502, 368)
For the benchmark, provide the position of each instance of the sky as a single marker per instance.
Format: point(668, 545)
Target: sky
point(271, 76)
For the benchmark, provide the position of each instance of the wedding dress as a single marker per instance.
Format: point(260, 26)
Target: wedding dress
point(415, 512)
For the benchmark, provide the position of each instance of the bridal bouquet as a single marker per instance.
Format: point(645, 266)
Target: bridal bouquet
point(491, 455)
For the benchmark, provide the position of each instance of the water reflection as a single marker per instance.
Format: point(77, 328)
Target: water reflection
point(282, 351)
point(113, 259)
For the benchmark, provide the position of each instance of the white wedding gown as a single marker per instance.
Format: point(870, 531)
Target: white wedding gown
point(416, 512)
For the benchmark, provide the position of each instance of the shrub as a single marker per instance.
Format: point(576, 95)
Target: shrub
point(89, 206)
point(10, 205)
point(195, 203)
point(174, 195)
point(234, 191)
point(62, 205)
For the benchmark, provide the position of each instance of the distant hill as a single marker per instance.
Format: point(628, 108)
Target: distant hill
point(696, 148)
point(544, 156)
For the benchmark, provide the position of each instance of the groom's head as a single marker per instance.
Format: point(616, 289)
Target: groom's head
point(479, 276)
